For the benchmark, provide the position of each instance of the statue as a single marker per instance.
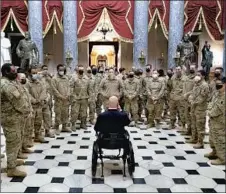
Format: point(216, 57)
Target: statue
point(28, 52)
point(5, 49)
point(207, 59)
point(142, 58)
point(186, 52)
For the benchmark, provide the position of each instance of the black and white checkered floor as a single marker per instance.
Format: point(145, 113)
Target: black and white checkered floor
point(164, 163)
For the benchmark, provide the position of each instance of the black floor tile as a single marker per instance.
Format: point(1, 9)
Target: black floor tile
point(42, 171)
point(63, 164)
point(75, 190)
point(190, 152)
point(57, 180)
point(120, 190)
point(46, 142)
point(168, 164)
point(147, 158)
point(74, 134)
point(71, 142)
point(180, 142)
point(179, 181)
point(138, 181)
point(136, 138)
point(17, 179)
point(97, 180)
point(141, 147)
point(29, 163)
point(55, 146)
point(220, 181)
point(38, 151)
point(170, 147)
point(79, 171)
point(85, 138)
point(116, 171)
point(171, 135)
point(157, 131)
point(153, 142)
point(165, 128)
point(203, 164)
point(180, 157)
point(208, 190)
point(159, 152)
point(163, 138)
point(31, 190)
point(192, 172)
point(164, 190)
point(133, 131)
point(147, 135)
point(84, 147)
point(82, 158)
point(87, 131)
point(151, 172)
point(50, 157)
point(68, 151)
point(60, 138)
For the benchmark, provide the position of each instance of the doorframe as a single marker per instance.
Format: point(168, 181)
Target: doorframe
point(107, 43)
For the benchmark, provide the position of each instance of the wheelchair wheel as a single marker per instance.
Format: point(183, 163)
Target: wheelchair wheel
point(131, 160)
point(94, 159)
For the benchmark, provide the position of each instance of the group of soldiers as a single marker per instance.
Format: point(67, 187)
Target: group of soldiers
point(28, 103)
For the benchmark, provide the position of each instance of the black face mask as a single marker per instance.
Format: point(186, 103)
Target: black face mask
point(101, 72)
point(219, 86)
point(89, 71)
point(148, 70)
point(23, 81)
point(130, 76)
point(169, 75)
point(192, 71)
point(80, 72)
point(217, 74)
point(94, 71)
point(12, 76)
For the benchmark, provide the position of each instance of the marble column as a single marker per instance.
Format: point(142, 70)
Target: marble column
point(70, 31)
point(140, 32)
point(224, 54)
point(35, 25)
point(176, 29)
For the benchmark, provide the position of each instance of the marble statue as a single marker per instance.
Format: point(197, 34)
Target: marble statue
point(5, 49)
point(186, 51)
point(28, 52)
point(207, 58)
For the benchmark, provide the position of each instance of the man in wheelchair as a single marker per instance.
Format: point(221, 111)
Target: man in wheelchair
point(111, 134)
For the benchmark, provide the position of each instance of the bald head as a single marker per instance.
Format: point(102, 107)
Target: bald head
point(113, 102)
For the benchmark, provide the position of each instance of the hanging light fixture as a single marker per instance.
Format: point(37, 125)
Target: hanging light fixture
point(104, 28)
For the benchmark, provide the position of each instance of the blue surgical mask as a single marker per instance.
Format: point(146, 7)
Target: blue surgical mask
point(35, 76)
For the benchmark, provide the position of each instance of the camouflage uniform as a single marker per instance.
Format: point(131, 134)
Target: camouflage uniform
point(155, 88)
point(198, 100)
point(61, 93)
point(38, 97)
point(217, 119)
point(146, 79)
point(140, 97)
point(131, 91)
point(14, 110)
point(92, 98)
point(99, 100)
point(80, 89)
point(122, 99)
point(164, 80)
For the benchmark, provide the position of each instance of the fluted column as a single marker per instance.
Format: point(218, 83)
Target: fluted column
point(140, 31)
point(176, 29)
point(70, 30)
point(35, 25)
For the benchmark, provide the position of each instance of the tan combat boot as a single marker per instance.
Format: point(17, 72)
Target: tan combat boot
point(39, 138)
point(73, 127)
point(217, 162)
point(192, 141)
point(49, 134)
point(27, 150)
point(19, 162)
point(13, 172)
point(22, 156)
point(198, 146)
point(57, 129)
point(172, 126)
point(210, 155)
point(83, 124)
point(66, 129)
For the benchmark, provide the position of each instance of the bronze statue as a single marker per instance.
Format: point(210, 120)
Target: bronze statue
point(28, 52)
point(207, 59)
point(186, 52)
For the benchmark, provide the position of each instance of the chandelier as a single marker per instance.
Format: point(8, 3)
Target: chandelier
point(104, 28)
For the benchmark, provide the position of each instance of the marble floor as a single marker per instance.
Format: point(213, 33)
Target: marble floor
point(164, 163)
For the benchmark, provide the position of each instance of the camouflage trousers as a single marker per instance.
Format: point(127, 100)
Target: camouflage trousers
point(12, 127)
point(145, 99)
point(198, 118)
point(140, 103)
point(47, 119)
point(79, 107)
point(61, 109)
point(122, 102)
point(175, 107)
point(27, 133)
point(154, 110)
point(36, 121)
point(99, 103)
point(92, 109)
point(131, 107)
point(105, 103)
point(218, 138)
point(187, 115)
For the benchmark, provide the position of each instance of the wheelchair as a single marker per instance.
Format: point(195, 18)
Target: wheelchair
point(113, 141)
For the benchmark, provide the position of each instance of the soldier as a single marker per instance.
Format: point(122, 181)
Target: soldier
point(13, 113)
point(176, 102)
point(92, 95)
point(110, 86)
point(216, 113)
point(47, 107)
point(80, 89)
point(38, 97)
point(155, 92)
point(187, 89)
point(131, 92)
point(61, 93)
point(198, 100)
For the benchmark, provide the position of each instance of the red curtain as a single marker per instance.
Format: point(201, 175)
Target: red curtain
point(16, 10)
point(120, 13)
point(210, 11)
point(159, 9)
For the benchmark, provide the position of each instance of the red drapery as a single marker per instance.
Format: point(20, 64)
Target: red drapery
point(211, 12)
point(16, 10)
point(120, 13)
point(52, 10)
point(159, 9)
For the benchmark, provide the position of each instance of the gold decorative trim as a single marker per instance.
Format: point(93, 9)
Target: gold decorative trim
point(80, 26)
point(126, 17)
point(185, 14)
point(7, 20)
point(216, 20)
